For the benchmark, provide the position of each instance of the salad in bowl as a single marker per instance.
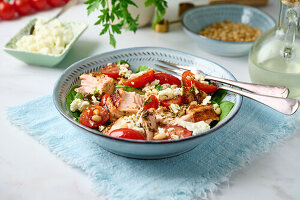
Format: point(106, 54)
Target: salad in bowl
point(146, 104)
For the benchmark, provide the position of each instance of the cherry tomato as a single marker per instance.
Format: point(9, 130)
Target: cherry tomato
point(166, 78)
point(127, 133)
point(140, 81)
point(104, 99)
point(188, 82)
point(7, 11)
point(23, 7)
point(152, 102)
point(180, 131)
point(177, 100)
point(111, 71)
point(55, 3)
point(94, 116)
point(38, 4)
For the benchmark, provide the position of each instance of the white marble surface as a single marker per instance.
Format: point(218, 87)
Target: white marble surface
point(29, 171)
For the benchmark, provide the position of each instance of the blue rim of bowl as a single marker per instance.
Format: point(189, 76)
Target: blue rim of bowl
point(98, 133)
point(223, 5)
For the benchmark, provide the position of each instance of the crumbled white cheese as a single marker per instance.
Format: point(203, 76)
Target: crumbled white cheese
point(197, 127)
point(165, 86)
point(161, 130)
point(79, 104)
point(150, 89)
point(137, 74)
point(206, 100)
point(175, 108)
point(124, 70)
point(216, 106)
point(200, 78)
point(134, 123)
point(101, 128)
point(169, 93)
point(95, 101)
point(50, 38)
point(154, 83)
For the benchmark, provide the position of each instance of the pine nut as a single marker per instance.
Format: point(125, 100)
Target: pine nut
point(96, 112)
point(96, 118)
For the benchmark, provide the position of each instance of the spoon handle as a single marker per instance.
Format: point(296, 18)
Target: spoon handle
point(284, 105)
point(269, 90)
point(64, 9)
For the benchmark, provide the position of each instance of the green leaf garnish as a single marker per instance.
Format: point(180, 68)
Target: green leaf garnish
point(72, 94)
point(142, 68)
point(158, 87)
point(130, 89)
point(122, 62)
point(218, 96)
point(226, 107)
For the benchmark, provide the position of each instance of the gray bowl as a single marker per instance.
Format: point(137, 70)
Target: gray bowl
point(147, 56)
point(194, 20)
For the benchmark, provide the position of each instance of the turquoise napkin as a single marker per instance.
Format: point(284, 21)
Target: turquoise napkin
point(192, 175)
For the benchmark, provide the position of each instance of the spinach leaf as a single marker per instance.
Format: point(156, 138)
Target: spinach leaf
point(130, 89)
point(122, 62)
point(218, 96)
point(142, 68)
point(226, 107)
point(72, 94)
point(158, 87)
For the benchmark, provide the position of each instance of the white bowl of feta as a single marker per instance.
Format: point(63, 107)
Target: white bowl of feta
point(49, 43)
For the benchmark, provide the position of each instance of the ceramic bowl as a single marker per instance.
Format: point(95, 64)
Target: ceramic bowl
point(147, 56)
point(194, 20)
point(40, 59)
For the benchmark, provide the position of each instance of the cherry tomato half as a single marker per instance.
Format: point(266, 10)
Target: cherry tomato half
point(152, 102)
point(23, 7)
point(166, 78)
point(38, 4)
point(200, 86)
point(111, 71)
point(177, 100)
point(7, 11)
point(140, 81)
point(180, 131)
point(127, 133)
point(104, 99)
point(94, 116)
point(55, 3)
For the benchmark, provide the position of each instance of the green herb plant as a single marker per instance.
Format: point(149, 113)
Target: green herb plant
point(118, 9)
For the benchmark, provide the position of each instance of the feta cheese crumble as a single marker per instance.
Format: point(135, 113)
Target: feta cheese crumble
point(79, 104)
point(196, 128)
point(175, 108)
point(124, 71)
point(169, 93)
point(133, 123)
point(50, 38)
point(137, 74)
point(206, 100)
point(200, 78)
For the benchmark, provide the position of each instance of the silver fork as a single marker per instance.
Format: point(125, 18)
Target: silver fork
point(277, 101)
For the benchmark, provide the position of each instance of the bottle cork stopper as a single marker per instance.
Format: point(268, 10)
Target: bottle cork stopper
point(291, 2)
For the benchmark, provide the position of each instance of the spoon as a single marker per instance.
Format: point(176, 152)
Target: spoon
point(63, 10)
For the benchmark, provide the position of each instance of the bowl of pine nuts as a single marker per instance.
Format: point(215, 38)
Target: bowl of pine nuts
point(227, 29)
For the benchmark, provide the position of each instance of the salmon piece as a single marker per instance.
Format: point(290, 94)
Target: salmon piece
point(164, 116)
point(190, 95)
point(96, 81)
point(148, 121)
point(123, 103)
point(197, 113)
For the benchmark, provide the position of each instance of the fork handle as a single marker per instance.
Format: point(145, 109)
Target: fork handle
point(284, 105)
point(268, 90)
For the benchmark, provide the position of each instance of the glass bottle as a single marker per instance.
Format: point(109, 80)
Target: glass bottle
point(275, 56)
